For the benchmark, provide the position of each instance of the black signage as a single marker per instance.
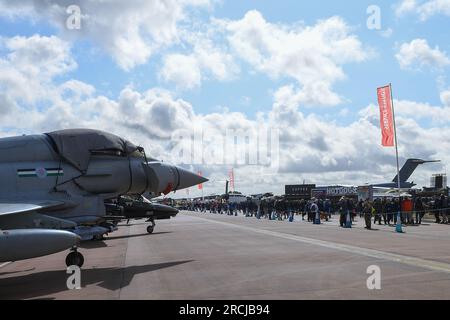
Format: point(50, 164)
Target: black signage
point(300, 190)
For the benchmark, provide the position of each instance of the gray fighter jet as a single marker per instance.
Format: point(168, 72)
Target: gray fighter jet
point(136, 208)
point(53, 188)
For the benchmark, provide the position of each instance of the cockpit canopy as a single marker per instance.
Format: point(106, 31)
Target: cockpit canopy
point(76, 146)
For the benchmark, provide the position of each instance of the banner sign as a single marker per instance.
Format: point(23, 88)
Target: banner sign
point(386, 116)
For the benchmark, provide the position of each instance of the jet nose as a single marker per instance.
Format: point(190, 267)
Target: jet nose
point(189, 179)
point(165, 178)
point(165, 208)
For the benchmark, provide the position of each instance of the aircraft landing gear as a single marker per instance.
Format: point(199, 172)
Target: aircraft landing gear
point(151, 227)
point(74, 258)
point(98, 237)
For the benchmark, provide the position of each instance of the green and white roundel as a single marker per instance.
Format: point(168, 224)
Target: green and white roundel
point(40, 172)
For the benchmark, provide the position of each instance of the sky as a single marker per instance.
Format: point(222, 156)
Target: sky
point(158, 72)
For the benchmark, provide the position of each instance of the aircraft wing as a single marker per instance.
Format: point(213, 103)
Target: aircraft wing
point(7, 208)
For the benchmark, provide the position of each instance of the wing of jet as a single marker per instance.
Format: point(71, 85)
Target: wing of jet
point(24, 233)
point(7, 208)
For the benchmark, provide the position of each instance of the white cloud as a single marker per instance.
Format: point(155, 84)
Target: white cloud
point(416, 110)
point(445, 98)
point(311, 148)
point(130, 31)
point(424, 9)
point(418, 53)
point(31, 63)
point(433, 7)
point(183, 70)
point(312, 55)
point(206, 61)
point(387, 33)
point(406, 6)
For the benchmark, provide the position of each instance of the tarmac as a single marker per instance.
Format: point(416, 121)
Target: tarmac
point(210, 256)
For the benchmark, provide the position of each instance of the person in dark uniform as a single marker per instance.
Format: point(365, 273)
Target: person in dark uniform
point(343, 208)
point(419, 210)
point(384, 207)
point(377, 205)
point(367, 212)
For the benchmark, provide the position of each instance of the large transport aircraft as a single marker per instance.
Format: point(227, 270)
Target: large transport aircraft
point(405, 173)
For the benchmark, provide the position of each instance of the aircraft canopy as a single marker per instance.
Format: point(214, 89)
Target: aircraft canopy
point(77, 145)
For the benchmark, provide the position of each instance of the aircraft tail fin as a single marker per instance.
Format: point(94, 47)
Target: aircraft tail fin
point(408, 168)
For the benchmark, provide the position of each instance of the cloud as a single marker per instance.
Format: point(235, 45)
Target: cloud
point(27, 70)
point(387, 33)
point(445, 98)
point(311, 147)
point(416, 110)
point(424, 9)
point(312, 55)
point(405, 7)
point(206, 61)
point(130, 31)
point(183, 70)
point(418, 54)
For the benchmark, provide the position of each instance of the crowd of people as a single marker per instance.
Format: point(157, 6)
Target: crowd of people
point(381, 210)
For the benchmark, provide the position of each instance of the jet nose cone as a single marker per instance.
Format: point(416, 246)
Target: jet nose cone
point(164, 208)
point(189, 179)
point(164, 178)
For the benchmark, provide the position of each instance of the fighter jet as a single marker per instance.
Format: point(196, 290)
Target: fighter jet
point(53, 188)
point(138, 207)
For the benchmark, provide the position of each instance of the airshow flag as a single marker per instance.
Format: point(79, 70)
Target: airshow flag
point(200, 186)
point(231, 174)
point(386, 116)
point(389, 134)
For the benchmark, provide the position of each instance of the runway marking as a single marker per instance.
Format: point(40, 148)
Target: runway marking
point(408, 260)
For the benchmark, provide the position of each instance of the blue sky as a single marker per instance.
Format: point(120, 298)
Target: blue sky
point(358, 88)
point(419, 42)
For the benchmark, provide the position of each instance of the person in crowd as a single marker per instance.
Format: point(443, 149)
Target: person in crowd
point(443, 201)
point(419, 210)
point(436, 206)
point(384, 210)
point(378, 208)
point(367, 211)
point(343, 210)
point(407, 206)
point(359, 208)
point(314, 209)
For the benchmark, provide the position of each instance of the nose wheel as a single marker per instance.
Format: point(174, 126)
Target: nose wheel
point(74, 258)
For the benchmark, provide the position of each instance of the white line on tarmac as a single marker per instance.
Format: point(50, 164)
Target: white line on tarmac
point(416, 262)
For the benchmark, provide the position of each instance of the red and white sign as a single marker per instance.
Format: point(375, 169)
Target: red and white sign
point(386, 116)
point(200, 186)
point(231, 174)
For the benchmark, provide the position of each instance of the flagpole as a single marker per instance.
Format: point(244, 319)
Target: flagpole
point(398, 165)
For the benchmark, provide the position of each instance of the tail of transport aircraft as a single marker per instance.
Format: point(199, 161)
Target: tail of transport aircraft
point(408, 168)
